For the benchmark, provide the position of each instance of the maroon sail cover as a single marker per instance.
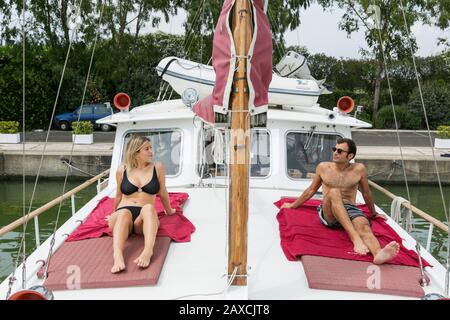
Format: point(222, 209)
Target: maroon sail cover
point(224, 60)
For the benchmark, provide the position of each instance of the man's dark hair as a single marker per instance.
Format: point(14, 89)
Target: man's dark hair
point(351, 145)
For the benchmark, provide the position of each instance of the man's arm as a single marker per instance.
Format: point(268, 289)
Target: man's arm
point(365, 191)
point(308, 193)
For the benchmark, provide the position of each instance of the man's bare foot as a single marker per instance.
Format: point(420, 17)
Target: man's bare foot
point(119, 264)
point(143, 260)
point(387, 253)
point(360, 248)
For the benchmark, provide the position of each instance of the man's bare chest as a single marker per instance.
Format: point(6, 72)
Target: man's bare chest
point(345, 179)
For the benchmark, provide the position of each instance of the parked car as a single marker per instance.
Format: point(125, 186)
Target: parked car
point(89, 112)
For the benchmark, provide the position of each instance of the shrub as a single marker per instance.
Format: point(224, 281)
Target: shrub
point(436, 96)
point(405, 119)
point(364, 116)
point(82, 127)
point(443, 132)
point(9, 126)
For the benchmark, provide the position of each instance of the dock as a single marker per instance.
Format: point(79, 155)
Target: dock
point(384, 162)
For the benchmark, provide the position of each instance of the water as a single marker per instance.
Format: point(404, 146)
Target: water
point(426, 198)
point(11, 209)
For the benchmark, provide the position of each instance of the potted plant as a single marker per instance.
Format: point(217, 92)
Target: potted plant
point(82, 132)
point(443, 137)
point(9, 132)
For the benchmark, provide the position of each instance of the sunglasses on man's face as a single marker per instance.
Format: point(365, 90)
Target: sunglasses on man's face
point(339, 150)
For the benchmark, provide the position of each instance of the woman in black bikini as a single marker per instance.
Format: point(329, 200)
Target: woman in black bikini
point(139, 179)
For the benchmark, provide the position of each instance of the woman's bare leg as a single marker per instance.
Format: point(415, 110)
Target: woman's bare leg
point(147, 224)
point(120, 223)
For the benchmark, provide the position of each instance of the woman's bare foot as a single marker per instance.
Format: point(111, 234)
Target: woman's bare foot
point(143, 260)
point(119, 264)
point(387, 253)
point(360, 248)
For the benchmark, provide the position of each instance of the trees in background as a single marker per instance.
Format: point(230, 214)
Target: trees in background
point(125, 58)
point(354, 78)
point(134, 74)
point(388, 28)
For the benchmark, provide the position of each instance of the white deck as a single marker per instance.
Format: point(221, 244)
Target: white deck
point(198, 269)
point(272, 276)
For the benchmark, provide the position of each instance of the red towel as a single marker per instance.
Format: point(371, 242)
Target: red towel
point(175, 226)
point(302, 233)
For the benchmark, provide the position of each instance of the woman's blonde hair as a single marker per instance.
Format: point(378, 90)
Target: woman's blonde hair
point(134, 145)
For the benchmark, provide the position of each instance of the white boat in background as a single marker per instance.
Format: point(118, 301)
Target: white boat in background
point(196, 157)
point(182, 74)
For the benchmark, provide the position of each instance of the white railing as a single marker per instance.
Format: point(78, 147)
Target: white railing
point(433, 221)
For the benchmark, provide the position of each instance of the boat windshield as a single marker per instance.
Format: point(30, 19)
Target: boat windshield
point(166, 148)
point(305, 150)
point(213, 161)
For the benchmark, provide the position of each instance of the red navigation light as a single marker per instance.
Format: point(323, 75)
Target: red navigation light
point(122, 101)
point(33, 293)
point(27, 295)
point(345, 104)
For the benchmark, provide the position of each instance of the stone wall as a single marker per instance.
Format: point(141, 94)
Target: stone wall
point(417, 171)
point(52, 165)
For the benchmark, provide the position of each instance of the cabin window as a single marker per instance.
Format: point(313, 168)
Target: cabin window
point(166, 148)
point(260, 153)
point(210, 151)
point(305, 150)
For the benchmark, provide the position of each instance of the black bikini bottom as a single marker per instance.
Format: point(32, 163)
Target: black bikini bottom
point(135, 211)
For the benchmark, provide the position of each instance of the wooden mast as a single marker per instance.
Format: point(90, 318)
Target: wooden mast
point(240, 145)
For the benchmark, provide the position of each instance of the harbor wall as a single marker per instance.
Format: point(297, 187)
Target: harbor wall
point(53, 165)
point(418, 171)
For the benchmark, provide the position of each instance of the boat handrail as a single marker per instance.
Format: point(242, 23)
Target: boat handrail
point(54, 202)
point(407, 205)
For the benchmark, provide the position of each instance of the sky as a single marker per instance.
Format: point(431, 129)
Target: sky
point(319, 32)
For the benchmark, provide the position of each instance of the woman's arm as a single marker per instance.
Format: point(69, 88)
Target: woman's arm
point(119, 177)
point(163, 194)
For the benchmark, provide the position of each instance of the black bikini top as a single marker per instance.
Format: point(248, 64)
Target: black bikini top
point(152, 187)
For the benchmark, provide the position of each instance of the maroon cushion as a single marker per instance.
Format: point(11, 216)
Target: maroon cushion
point(359, 276)
point(87, 264)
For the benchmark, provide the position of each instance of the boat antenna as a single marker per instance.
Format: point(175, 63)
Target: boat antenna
point(274, 26)
point(424, 110)
point(52, 242)
point(447, 273)
point(447, 216)
point(378, 28)
point(189, 37)
point(24, 252)
point(22, 243)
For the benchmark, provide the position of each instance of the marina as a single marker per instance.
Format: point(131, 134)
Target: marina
point(383, 161)
point(237, 185)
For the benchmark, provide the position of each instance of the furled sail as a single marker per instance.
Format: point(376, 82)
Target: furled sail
point(225, 60)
